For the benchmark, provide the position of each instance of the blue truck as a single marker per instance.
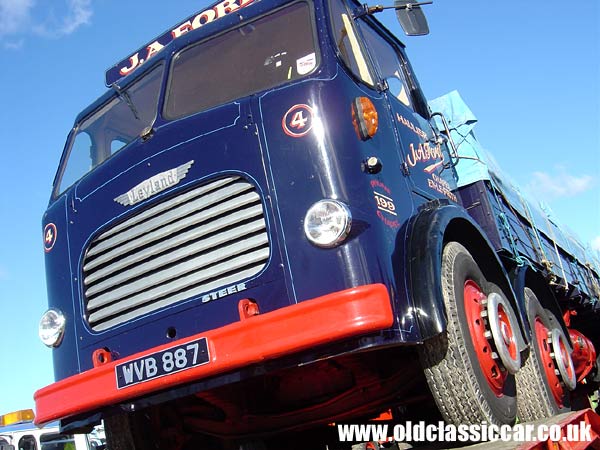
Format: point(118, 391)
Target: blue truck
point(262, 228)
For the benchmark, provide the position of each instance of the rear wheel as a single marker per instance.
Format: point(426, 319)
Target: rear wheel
point(470, 367)
point(548, 374)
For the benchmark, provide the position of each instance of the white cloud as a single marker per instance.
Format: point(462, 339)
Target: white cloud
point(51, 19)
point(80, 14)
point(13, 45)
point(14, 14)
point(559, 184)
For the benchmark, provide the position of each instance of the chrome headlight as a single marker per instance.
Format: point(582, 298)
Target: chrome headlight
point(52, 327)
point(327, 223)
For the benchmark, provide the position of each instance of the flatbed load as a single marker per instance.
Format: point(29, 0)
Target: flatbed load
point(521, 229)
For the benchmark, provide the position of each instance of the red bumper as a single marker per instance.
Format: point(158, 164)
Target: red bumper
point(287, 330)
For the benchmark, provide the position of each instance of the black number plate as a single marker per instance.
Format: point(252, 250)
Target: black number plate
point(165, 362)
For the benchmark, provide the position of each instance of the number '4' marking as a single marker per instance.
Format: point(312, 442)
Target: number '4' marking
point(298, 120)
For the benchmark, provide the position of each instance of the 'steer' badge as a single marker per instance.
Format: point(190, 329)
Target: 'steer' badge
point(154, 185)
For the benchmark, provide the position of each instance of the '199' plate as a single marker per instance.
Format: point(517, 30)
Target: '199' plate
point(165, 362)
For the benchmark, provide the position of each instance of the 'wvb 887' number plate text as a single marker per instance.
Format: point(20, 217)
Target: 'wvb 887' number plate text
point(165, 362)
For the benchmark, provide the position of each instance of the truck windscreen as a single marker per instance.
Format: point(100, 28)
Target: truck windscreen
point(257, 56)
point(112, 127)
point(262, 54)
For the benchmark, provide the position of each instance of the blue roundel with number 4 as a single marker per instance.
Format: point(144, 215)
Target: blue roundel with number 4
point(298, 120)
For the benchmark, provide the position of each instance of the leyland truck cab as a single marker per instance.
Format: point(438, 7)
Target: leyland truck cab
point(256, 230)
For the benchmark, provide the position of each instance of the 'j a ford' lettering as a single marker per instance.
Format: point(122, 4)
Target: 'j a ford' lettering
point(423, 153)
point(134, 61)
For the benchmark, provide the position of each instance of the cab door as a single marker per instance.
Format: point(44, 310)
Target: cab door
point(424, 158)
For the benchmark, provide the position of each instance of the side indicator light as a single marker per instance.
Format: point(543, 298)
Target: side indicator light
point(364, 118)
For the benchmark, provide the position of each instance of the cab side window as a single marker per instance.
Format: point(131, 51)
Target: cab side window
point(347, 42)
point(389, 63)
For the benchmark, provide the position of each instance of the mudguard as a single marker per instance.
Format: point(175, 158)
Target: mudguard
point(436, 223)
point(526, 275)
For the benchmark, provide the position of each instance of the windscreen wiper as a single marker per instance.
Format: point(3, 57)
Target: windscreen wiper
point(123, 95)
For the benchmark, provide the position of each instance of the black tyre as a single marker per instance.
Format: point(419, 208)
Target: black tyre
point(466, 378)
point(541, 391)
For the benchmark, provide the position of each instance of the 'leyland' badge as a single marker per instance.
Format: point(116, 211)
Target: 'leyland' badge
point(154, 185)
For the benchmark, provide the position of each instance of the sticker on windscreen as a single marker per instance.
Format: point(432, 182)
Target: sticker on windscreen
point(306, 64)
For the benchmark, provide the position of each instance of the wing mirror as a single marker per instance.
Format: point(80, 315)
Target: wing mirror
point(411, 17)
point(409, 14)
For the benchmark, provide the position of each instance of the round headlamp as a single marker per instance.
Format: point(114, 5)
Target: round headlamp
point(327, 223)
point(52, 327)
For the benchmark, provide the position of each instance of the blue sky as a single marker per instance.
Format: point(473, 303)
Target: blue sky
point(530, 71)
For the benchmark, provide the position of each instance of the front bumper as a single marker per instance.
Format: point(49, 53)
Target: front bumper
point(288, 330)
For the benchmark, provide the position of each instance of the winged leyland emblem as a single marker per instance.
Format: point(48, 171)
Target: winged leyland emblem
point(154, 185)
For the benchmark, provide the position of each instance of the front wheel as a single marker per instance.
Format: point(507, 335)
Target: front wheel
point(118, 433)
point(548, 374)
point(470, 367)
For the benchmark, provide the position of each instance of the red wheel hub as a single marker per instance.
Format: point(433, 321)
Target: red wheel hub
point(543, 343)
point(507, 333)
point(495, 376)
point(564, 354)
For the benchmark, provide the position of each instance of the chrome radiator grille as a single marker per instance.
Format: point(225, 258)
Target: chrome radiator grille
point(212, 236)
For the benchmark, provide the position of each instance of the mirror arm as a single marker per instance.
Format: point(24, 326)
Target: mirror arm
point(410, 6)
point(365, 10)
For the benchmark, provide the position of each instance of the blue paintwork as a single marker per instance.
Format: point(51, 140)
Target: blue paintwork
point(246, 137)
